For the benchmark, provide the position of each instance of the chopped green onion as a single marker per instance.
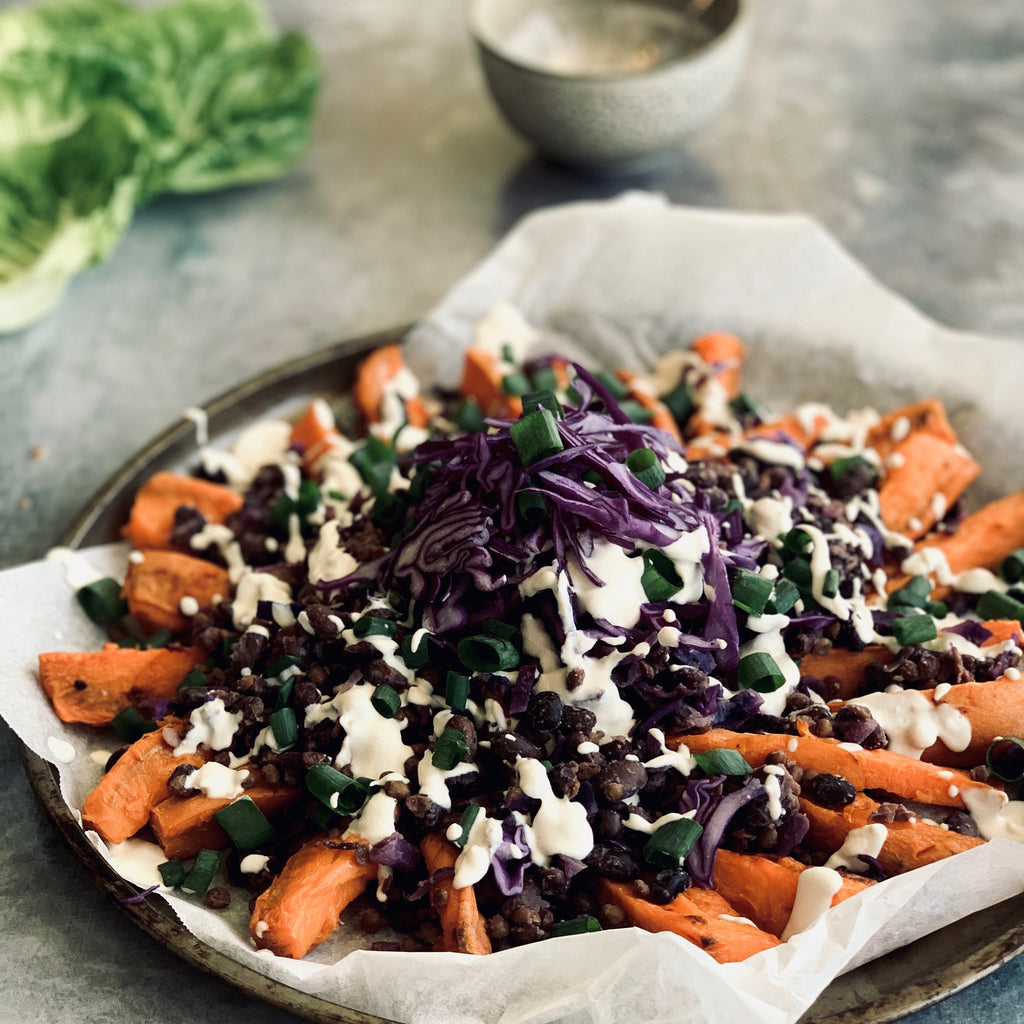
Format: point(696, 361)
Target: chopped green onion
point(389, 511)
point(469, 417)
point(508, 353)
point(451, 749)
point(646, 467)
point(544, 378)
point(796, 542)
point(418, 656)
point(194, 677)
point(515, 383)
point(937, 609)
point(161, 638)
point(102, 601)
point(995, 605)
point(659, 577)
point(723, 761)
point(507, 631)
point(615, 386)
point(336, 790)
point(375, 461)
point(322, 816)
point(577, 926)
point(1005, 758)
point(284, 694)
point(759, 671)
point(679, 402)
point(483, 653)
point(372, 625)
point(456, 691)
point(172, 872)
point(743, 405)
point(830, 584)
point(246, 825)
point(840, 468)
point(535, 436)
point(305, 503)
point(386, 700)
point(914, 629)
point(798, 570)
point(284, 727)
point(469, 816)
point(670, 843)
point(591, 476)
point(532, 507)
point(785, 595)
point(281, 665)
point(750, 591)
point(1012, 566)
point(543, 400)
point(130, 725)
point(635, 411)
point(198, 877)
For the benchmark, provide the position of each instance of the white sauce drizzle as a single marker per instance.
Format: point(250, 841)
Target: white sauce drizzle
point(913, 722)
point(560, 825)
point(867, 840)
point(815, 890)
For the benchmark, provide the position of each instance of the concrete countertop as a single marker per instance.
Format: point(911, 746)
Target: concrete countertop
point(900, 127)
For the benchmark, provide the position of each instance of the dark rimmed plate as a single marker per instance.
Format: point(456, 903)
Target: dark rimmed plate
point(884, 990)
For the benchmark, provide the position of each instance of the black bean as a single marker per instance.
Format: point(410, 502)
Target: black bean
point(668, 884)
point(578, 720)
point(828, 790)
point(620, 780)
point(544, 712)
point(613, 862)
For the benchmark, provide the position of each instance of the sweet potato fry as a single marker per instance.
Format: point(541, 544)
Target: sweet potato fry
point(482, 380)
point(155, 588)
point(370, 390)
point(725, 354)
point(763, 888)
point(184, 825)
point(863, 769)
point(122, 802)
point(982, 540)
point(463, 927)
point(909, 844)
point(91, 687)
point(849, 667)
point(315, 433)
point(152, 515)
point(702, 916)
point(301, 907)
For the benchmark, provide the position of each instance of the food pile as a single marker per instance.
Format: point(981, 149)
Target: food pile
point(559, 651)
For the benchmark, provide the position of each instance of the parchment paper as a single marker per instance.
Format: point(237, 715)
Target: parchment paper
point(621, 282)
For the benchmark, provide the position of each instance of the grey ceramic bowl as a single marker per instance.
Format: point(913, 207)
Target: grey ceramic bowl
point(610, 85)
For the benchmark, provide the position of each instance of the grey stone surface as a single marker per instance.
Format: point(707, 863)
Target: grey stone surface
point(899, 126)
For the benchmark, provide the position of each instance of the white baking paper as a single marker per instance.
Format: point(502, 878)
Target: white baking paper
point(622, 282)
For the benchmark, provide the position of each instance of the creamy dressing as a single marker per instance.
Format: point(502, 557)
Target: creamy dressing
point(681, 760)
point(996, 816)
point(619, 597)
point(251, 588)
point(867, 840)
point(138, 861)
point(328, 560)
point(217, 781)
point(212, 725)
point(376, 821)
point(815, 890)
point(560, 825)
point(485, 836)
point(433, 780)
point(773, 789)
point(63, 752)
point(77, 570)
point(772, 642)
point(913, 722)
point(264, 443)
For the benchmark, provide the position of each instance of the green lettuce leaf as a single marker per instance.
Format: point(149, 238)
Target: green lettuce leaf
point(104, 106)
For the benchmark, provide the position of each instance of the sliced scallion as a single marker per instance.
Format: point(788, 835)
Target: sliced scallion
point(469, 417)
point(373, 625)
point(417, 656)
point(796, 542)
point(130, 725)
point(723, 761)
point(798, 570)
point(469, 816)
point(680, 402)
point(1005, 758)
point(515, 383)
point(544, 378)
point(284, 693)
point(102, 601)
point(635, 411)
point(830, 583)
point(646, 467)
point(161, 638)
point(172, 872)
point(336, 790)
point(482, 653)
point(914, 629)
point(1012, 566)
point(281, 665)
point(577, 926)
point(659, 578)
point(670, 843)
point(614, 385)
point(374, 462)
point(386, 700)
point(535, 436)
point(785, 595)
point(543, 400)
point(246, 825)
point(198, 877)
point(456, 691)
point(451, 749)
point(750, 591)
point(839, 469)
point(193, 678)
point(532, 507)
point(994, 604)
point(284, 726)
point(759, 671)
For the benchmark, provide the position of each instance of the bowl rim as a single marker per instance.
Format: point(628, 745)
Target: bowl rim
point(487, 45)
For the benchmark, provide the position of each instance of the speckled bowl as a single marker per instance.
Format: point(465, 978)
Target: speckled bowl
point(610, 86)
